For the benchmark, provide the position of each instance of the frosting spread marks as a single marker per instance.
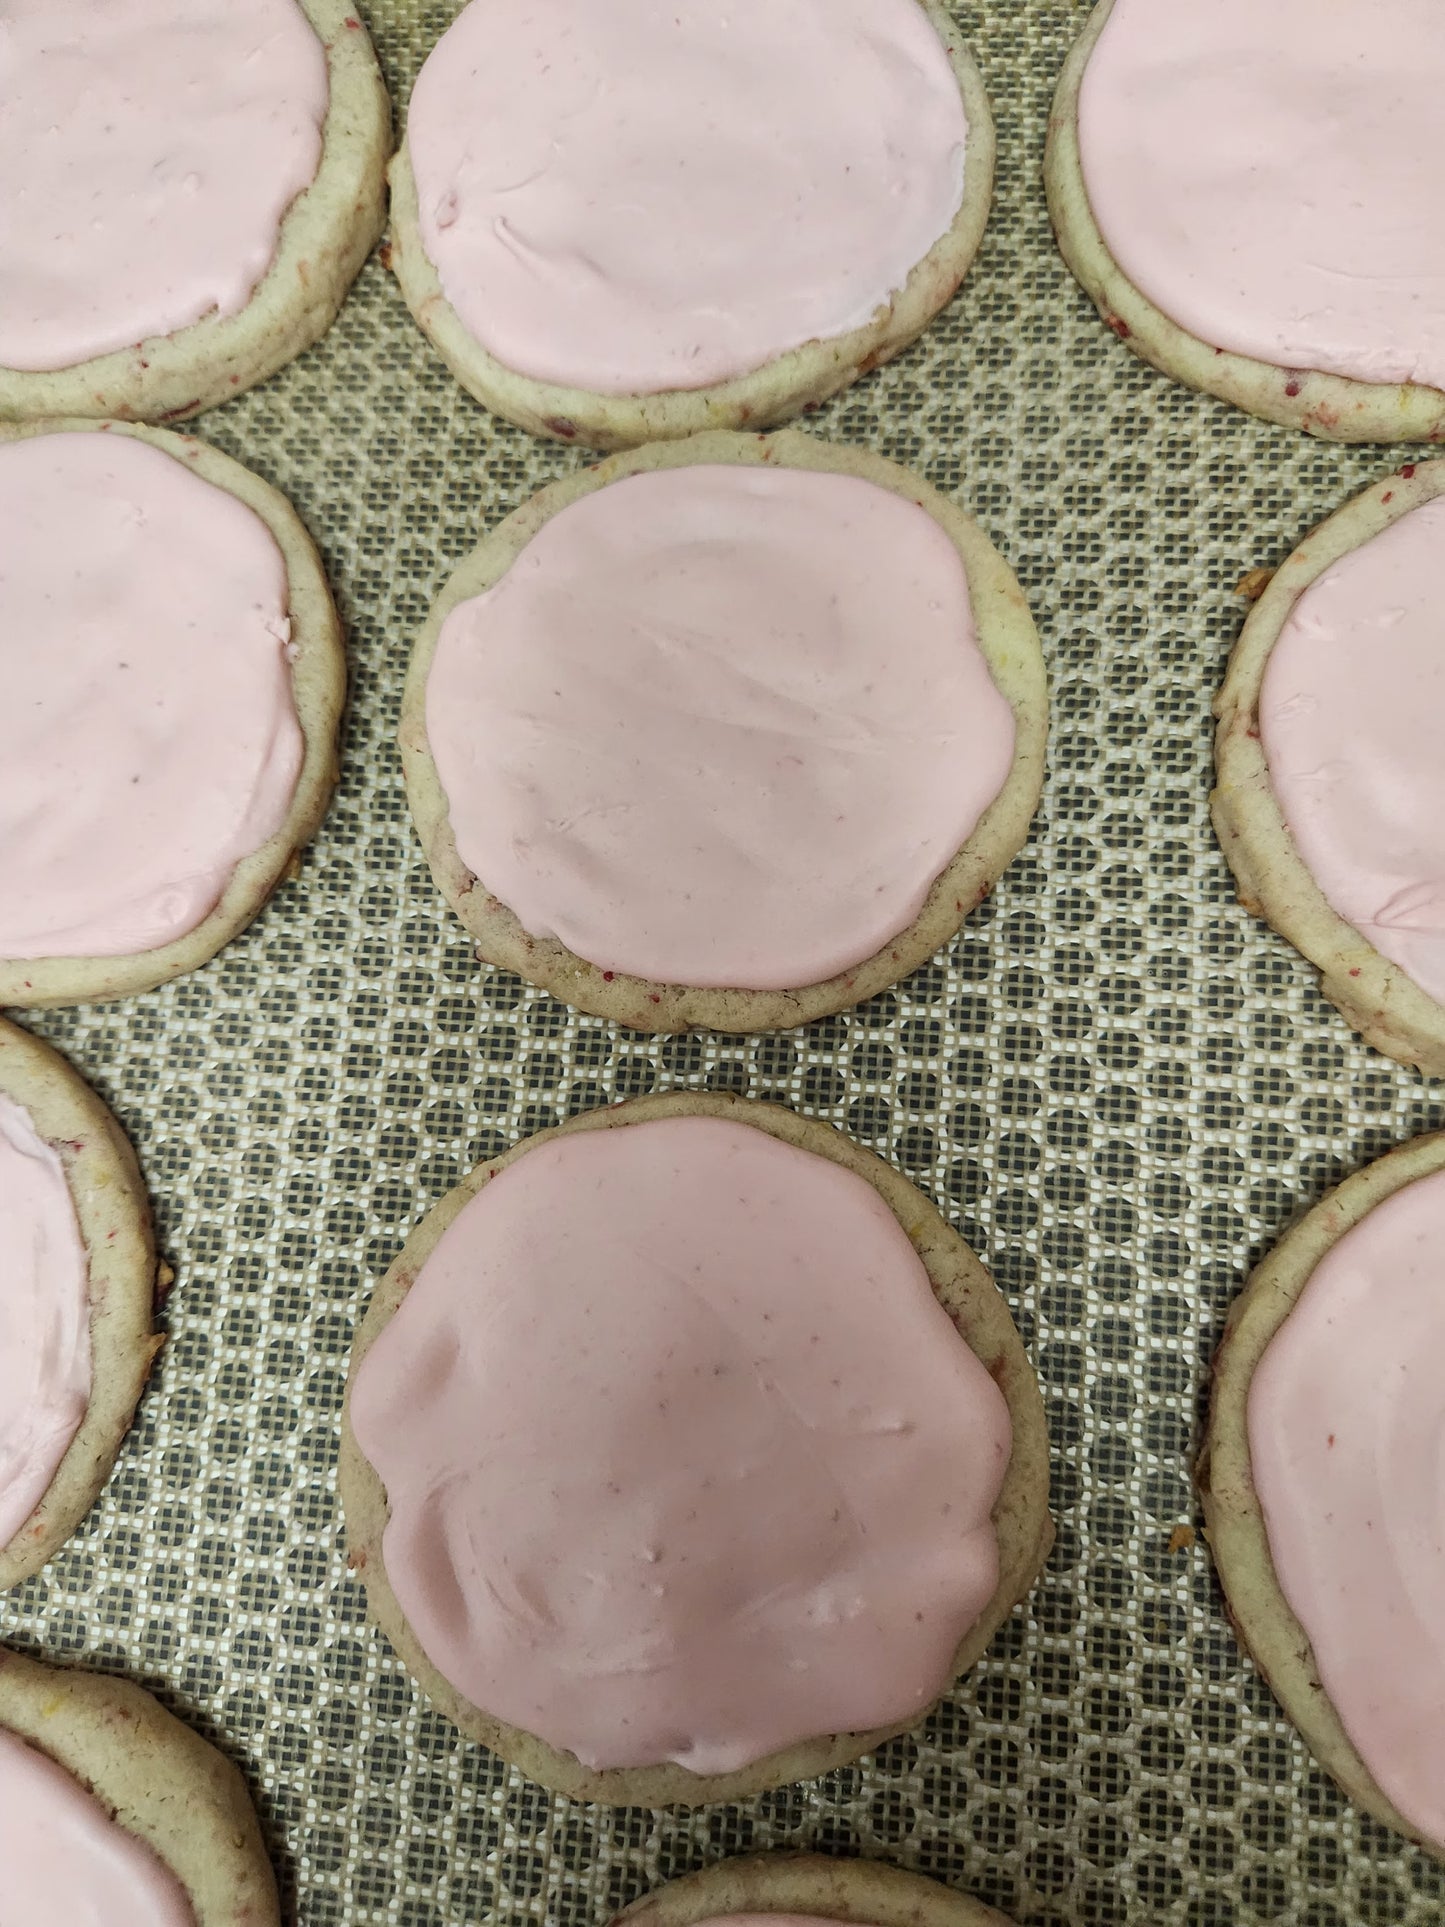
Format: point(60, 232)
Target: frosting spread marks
point(148, 737)
point(1351, 709)
point(720, 726)
point(642, 197)
point(1347, 1446)
point(148, 152)
point(684, 1459)
point(66, 1860)
point(44, 1319)
point(1262, 175)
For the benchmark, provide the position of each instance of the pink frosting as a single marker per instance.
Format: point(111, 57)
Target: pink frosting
point(720, 725)
point(1264, 171)
point(1347, 1444)
point(685, 1461)
point(637, 197)
point(148, 737)
point(44, 1319)
point(67, 1863)
point(775, 1920)
point(1351, 715)
point(148, 151)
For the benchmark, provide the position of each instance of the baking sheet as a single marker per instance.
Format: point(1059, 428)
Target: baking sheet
point(1118, 1085)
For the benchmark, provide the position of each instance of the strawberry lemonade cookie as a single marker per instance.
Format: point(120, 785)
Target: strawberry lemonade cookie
point(688, 1452)
point(1330, 792)
point(114, 1814)
point(730, 732)
point(173, 672)
point(806, 1890)
point(1250, 196)
point(187, 190)
point(77, 1299)
point(630, 222)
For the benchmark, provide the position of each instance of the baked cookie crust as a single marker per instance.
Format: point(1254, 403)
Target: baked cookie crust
point(1376, 997)
point(115, 1228)
point(1010, 645)
point(1234, 1521)
point(318, 681)
point(967, 1293)
point(765, 396)
point(159, 1780)
point(867, 1892)
point(1332, 406)
point(327, 233)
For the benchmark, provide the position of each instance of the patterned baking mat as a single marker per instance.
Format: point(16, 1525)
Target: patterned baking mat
point(1118, 1085)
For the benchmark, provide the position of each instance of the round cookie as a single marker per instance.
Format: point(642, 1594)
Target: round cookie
point(1019, 1516)
point(760, 393)
point(324, 236)
point(1389, 1008)
point(806, 1887)
point(1337, 406)
point(317, 677)
point(1235, 1516)
point(113, 1218)
point(1013, 662)
point(156, 1779)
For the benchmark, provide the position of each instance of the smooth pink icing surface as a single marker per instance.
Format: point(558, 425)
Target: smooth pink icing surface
point(44, 1320)
point(67, 1863)
point(1351, 717)
point(1347, 1445)
point(148, 737)
point(148, 151)
point(685, 1461)
point(720, 725)
point(636, 197)
point(1265, 174)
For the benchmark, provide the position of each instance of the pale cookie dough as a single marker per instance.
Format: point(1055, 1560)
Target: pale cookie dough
point(318, 682)
point(965, 1290)
point(1234, 1518)
point(1377, 998)
point(115, 1227)
point(325, 236)
point(1009, 644)
point(809, 1887)
point(158, 1780)
point(1336, 407)
point(766, 395)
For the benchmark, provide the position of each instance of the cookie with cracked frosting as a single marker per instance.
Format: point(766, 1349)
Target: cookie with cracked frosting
point(152, 796)
point(113, 1804)
point(806, 1890)
point(621, 1471)
point(1321, 1503)
point(1327, 798)
point(1236, 188)
point(725, 733)
point(185, 201)
point(600, 252)
point(79, 1340)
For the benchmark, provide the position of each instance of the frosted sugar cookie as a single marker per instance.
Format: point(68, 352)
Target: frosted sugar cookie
point(621, 223)
point(173, 671)
point(1330, 796)
point(77, 1299)
point(730, 732)
point(186, 193)
point(688, 1452)
point(806, 1890)
point(1251, 196)
point(114, 1814)
point(1321, 1483)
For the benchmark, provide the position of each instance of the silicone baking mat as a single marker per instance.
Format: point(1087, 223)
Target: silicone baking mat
point(1118, 1085)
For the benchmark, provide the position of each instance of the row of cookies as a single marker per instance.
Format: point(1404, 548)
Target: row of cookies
point(602, 250)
